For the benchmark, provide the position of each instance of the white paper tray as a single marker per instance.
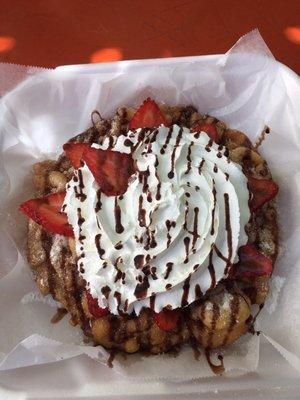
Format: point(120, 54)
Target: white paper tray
point(77, 378)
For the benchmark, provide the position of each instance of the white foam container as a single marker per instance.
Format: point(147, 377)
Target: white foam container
point(78, 378)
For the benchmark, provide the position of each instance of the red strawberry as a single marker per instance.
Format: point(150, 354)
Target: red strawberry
point(210, 129)
point(167, 319)
point(148, 116)
point(111, 169)
point(94, 308)
point(262, 191)
point(251, 263)
point(46, 212)
point(74, 152)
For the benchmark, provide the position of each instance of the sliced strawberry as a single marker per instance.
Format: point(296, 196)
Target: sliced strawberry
point(148, 116)
point(94, 308)
point(74, 152)
point(111, 169)
point(262, 191)
point(210, 129)
point(46, 212)
point(251, 263)
point(167, 319)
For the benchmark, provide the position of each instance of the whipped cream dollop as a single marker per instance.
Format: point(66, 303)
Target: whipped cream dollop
point(173, 234)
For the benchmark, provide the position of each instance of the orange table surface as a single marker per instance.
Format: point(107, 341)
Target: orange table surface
point(51, 32)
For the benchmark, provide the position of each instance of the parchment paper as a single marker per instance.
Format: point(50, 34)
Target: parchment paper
point(246, 90)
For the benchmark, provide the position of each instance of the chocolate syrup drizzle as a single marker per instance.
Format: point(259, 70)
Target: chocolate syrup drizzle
point(228, 230)
point(119, 226)
point(178, 139)
point(141, 261)
point(79, 193)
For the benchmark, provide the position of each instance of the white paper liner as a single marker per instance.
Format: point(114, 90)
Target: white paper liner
point(244, 88)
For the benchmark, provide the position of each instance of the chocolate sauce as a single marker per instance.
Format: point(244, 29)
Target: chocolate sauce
point(198, 292)
point(139, 261)
point(119, 226)
point(80, 221)
point(208, 146)
point(169, 225)
point(226, 176)
point(153, 273)
point(141, 288)
point(195, 228)
point(119, 275)
point(98, 245)
point(211, 270)
point(212, 231)
point(220, 255)
point(179, 136)
point(186, 242)
point(186, 212)
point(189, 161)
point(154, 134)
point(162, 150)
point(169, 266)
point(110, 141)
point(186, 289)
point(81, 269)
point(142, 134)
point(117, 296)
point(99, 203)
point(168, 286)
point(119, 246)
point(152, 301)
point(201, 166)
point(141, 212)
point(158, 195)
point(143, 177)
point(152, 242)
point(106, 291)
point(128, 143)
point(228, 230)
point(79, 193)
point(215, 168)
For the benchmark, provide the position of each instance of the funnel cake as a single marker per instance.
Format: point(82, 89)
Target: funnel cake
point(122, 215)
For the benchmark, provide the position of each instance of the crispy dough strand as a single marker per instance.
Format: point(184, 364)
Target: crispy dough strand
point(262, 137)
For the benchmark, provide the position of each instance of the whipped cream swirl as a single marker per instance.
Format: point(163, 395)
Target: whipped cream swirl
point(174, 233)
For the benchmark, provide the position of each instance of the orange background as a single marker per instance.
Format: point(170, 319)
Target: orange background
point(55, 32)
